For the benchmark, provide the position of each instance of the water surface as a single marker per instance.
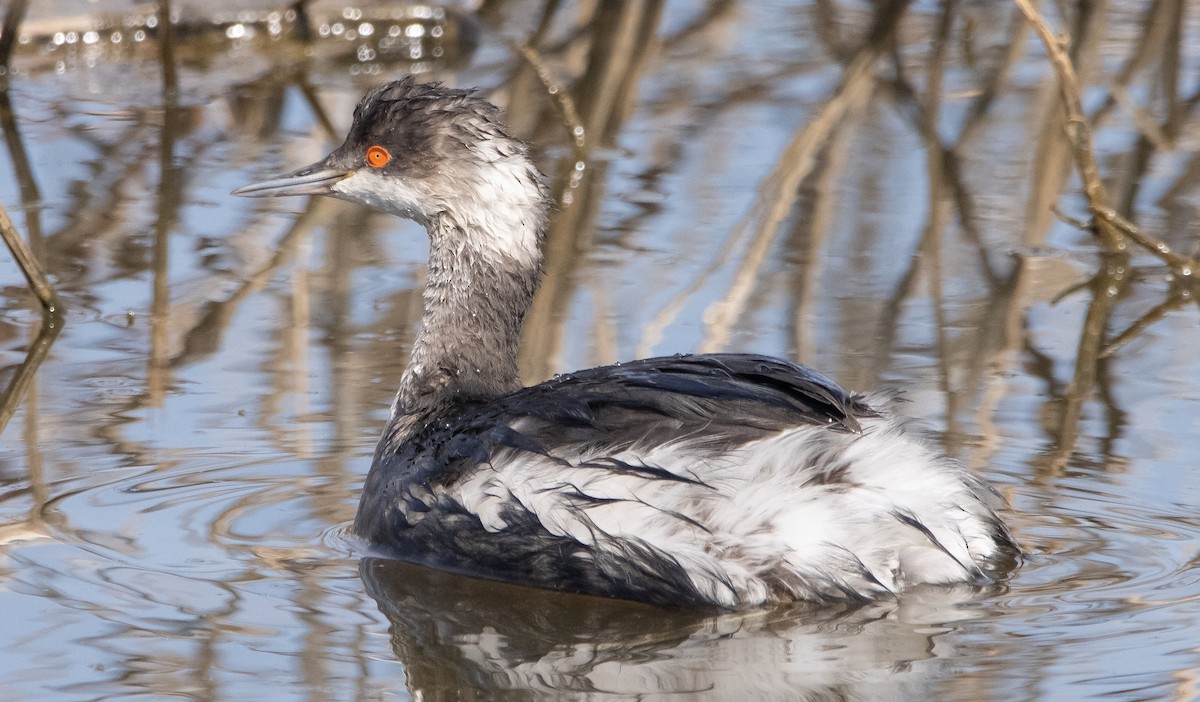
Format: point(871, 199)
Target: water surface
point(177, 479)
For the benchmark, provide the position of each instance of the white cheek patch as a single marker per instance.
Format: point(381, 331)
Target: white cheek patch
point(387, 194)
point(497, 204)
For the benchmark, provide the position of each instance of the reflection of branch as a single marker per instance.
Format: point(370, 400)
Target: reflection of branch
point(622, 37)
point(205, 336)
point(31, 197)
point(166, 49)
point(1155, 28)
point(543, 25)
point(806, 241)
point(8, 34)
point(932, 236)
point(779, 190)
point(990, 86)
point(717, 11)
point(310, 95)
point(826, 26)
point(1142, 120)
point(170, 184)
point(51, 324)
point(567, 243)
point(1178, 298)
point(1106, 288)
point(950, 170)
point(886, 18)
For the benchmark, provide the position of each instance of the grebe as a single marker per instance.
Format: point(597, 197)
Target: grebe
point(725, 479)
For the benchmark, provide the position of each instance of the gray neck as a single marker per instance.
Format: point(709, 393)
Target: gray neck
point(475, 301)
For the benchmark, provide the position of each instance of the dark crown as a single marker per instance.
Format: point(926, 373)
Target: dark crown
point(424, 124)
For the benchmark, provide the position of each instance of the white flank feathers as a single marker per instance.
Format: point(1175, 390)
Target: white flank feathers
point(765, 525)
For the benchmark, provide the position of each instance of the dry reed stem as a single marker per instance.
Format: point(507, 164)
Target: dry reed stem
point(1111, 227)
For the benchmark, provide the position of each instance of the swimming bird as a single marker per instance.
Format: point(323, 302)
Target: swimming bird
point(732, 480)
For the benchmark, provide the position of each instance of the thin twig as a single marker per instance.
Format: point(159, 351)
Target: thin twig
point(562, 100)
point(1069, 291)
point(1077, 128)
point(27, 263)
point(1082, 224)
point(1111, 227)
point(1183, 266)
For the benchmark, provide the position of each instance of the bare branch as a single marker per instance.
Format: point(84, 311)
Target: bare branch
point(1111, 227)
point(1078, 131)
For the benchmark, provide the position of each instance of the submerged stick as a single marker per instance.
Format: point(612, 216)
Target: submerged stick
point(28, 264)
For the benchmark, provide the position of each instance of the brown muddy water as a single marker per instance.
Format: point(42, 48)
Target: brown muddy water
point(864, 190)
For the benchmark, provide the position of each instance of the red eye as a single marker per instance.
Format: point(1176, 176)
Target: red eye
point(378, 157)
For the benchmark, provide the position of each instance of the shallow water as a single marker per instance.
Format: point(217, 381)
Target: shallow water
point(177, 479)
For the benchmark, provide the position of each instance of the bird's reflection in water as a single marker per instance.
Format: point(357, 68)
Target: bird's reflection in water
point(463, 638)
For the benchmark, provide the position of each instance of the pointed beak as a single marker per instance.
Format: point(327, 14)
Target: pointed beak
point(317, 179)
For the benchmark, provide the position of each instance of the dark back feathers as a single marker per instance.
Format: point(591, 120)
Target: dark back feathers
point(718, 401)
